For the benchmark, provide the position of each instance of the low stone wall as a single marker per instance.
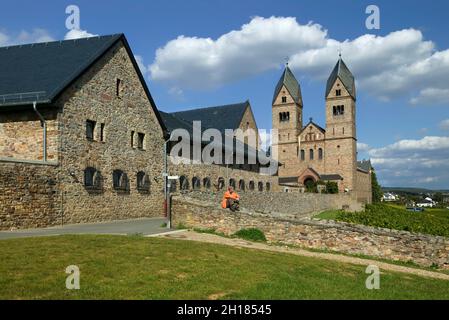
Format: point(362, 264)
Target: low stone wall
point(287, 205)
point(29, 195)
point(341, 237)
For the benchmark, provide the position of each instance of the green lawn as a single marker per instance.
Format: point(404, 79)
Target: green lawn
point(119, 267)
point(431, 221)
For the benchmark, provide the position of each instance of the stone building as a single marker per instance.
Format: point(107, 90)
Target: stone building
point(310, 153)
point(80, 135)
point(244, 175)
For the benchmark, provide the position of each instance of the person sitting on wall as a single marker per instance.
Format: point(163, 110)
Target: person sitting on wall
point(230, 200)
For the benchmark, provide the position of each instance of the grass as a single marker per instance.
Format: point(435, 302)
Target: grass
point(431, 221)
point(118, 267)
point(251, 234)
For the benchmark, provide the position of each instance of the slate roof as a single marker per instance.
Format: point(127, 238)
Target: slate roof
point(288, 79)
point(42, 71)
point(219, 117)
point(341, 71)
point(331, 177)
point(364, 165)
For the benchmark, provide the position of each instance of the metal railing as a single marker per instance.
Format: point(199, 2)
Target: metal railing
point(22, 97)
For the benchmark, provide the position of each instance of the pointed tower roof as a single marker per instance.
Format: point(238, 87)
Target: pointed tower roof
point(289, 81)
point(341, 71)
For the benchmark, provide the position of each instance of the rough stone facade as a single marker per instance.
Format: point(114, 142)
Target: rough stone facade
point(325, 235)
point(286, 205)
point(229, 174)
point(29, 195)
point(93, 96)
point(21, 135)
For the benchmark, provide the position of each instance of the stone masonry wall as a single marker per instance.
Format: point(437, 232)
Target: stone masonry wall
point(94, 97)
point(341, 237)
point(29, 196)
point(282, 204)
point(21, 135)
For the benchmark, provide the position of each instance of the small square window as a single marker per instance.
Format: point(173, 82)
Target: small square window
point(140, 141)
point(90, 129)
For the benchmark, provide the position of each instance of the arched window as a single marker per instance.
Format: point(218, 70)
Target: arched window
point(303, 155)
point(268, 186)
point(143, 181)
point(196, 183)
point(183, 183)
point(242, 185)
point(320, 153)
point(206, 183)
point(288, 116)
point(92, 178)
point(221, 183)
point(311, 154)
point(251, 185)
point(284, 99)
point(89, 176)
point(260, 186)
point(120, 180)
point(232, 183)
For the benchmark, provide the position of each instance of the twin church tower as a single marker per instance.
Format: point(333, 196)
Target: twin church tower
point(309, 153)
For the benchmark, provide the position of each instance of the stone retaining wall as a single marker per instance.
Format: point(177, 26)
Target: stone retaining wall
point(29, 196)
point(309, 233)
point(282, 204)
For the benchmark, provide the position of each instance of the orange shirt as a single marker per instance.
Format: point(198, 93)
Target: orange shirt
point(227, 195)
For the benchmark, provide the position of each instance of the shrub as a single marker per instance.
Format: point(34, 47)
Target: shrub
point(251, 234)
point(331, 187)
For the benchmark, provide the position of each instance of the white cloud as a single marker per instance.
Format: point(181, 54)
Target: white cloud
point(24, 37)
point(431, 96)
point(362, 147)
point(444, 125)
point(399, 63)
point(420, 162)
point(77, 34)
point(258, 46)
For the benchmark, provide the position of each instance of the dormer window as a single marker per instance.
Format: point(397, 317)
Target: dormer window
point(284, 99)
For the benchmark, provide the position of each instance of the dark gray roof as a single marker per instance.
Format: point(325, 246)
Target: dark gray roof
point(341, 71)
point(288, 79)
point(42, 71)
point(331, 177)
point(39, 72)
point(171, 122)
point(285, 180)
point(364, 165)
point(220, 117)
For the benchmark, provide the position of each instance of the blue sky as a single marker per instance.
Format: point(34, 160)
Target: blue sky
point(234, 50)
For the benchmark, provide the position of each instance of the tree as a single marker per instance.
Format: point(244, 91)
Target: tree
point(438, 197)
point(375, 187)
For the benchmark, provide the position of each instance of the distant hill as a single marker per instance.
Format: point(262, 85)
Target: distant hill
point(411, 190)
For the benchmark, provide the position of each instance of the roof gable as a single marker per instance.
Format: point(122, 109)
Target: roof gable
point(341, 71)
point(291, 84)
point(311, 123)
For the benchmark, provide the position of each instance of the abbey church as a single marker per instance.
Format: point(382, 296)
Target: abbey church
point(310, 153)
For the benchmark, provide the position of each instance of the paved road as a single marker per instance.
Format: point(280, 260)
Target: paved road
point(145, 226)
